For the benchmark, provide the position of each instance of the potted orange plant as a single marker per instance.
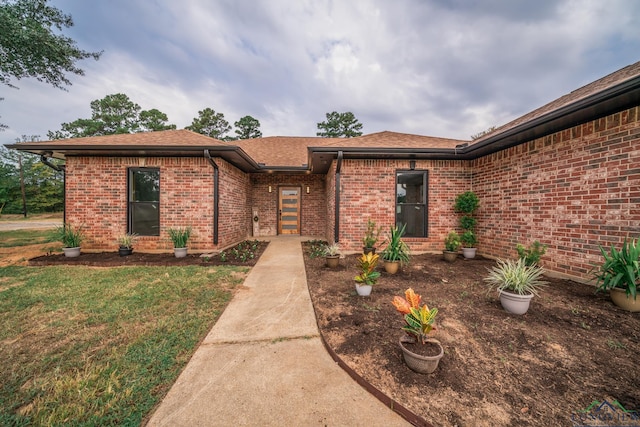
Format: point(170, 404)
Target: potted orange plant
point(421, 353)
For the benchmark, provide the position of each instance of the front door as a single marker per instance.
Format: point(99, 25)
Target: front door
point(289, 210)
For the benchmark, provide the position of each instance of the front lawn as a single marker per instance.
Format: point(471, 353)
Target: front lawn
point(97, 346)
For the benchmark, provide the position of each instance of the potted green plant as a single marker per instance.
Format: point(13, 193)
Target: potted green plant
point(532, 254)
point(467, 203)
point(371, 236)
point(332, 255)
point(620, 274)
point(469, 241)
point(451, 246)
point(421, 353)
point(179, 236)
point(71, 238)
point(516, 283)
point(368, 275)
point(125, 243)
point(397, 251)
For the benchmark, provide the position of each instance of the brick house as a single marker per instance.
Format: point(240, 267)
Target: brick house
point(566, 174)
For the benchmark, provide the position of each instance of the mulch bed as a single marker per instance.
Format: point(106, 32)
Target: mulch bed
point(112, 259)
point(572, 347)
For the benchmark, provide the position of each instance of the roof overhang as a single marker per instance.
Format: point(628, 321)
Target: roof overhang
point(232, 154)
point(609, 101)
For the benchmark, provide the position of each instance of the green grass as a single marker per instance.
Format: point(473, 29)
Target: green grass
point(89, 346)
point(13, 238)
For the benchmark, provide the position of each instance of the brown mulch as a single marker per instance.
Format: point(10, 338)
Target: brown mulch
point(112, 259)
point(572, 347)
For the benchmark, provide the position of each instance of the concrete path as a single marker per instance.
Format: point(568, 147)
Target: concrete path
point(19, 225)
point(263, 363)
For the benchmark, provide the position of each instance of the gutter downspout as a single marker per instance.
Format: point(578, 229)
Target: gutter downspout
point(336, 231)
point(61, 168)
point(216, 183)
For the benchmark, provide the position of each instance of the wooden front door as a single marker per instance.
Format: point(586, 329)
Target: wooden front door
point(289, 210)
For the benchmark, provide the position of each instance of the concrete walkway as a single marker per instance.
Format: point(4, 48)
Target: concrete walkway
point(263, 363)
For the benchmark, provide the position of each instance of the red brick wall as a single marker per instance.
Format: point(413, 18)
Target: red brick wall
point(313, 220)
point(96, 196)
point(368, 191)
point(572, 191)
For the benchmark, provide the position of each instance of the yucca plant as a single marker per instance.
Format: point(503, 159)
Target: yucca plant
point(620, 269)
point(419, 320)
point(127, 240)
point(396, 249)
point(368, 274)
point(179, 236)
point(516, 277)
point(70, 236)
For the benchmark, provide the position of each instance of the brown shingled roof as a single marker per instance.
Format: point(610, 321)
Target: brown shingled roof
point(162, 138)
point(593, 88)
point(283, 151)
point(388, 139)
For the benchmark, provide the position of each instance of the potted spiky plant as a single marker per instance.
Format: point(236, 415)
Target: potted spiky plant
point(125, 244)
point(421, 353)
point(368, 275)
point(332, 255)
point(517, 283)
point(179, 236)
point(396, 252)
point(620, 274)
point(71, 238)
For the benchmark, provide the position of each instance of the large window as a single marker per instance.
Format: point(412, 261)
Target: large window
point(411, 202)
point(144, 201)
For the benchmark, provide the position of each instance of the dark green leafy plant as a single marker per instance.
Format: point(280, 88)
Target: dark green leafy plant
point(452, 242)
point(70, 236)
point(179, 236)
point(467, 203)
point(533, 253)
point(396, 249)
point(372, 234)
point(620, 269)
point(468, 222)
point(468, 239)
point(317, 248)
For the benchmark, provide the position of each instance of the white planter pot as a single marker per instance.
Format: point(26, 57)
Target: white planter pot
point(180, 252)
point(515, 303)
point(71, 252)
point(469, 252)
point(419, 363)
point(363, 290)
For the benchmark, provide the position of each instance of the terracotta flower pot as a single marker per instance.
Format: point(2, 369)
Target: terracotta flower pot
point(391, 267)
point(419, 363)
point(450, 256)
point(333, 261)
point(620, 298)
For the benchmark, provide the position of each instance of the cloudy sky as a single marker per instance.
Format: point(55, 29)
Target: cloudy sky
point(447, 68)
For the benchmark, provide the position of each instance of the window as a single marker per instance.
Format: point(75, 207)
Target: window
point(144, 201)
point(411, 202)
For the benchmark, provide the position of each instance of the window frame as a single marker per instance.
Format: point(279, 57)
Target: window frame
point(425, 198)
point(131, 203)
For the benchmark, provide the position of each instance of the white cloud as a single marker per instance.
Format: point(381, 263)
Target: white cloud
point(443, 67)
